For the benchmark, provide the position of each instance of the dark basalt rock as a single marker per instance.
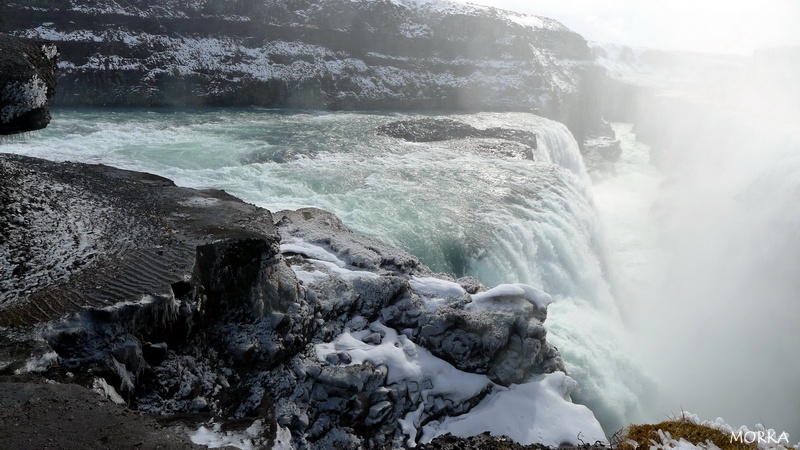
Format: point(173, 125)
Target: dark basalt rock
point(193, 302)
point(67, 416)
point(331, 54)
point(437, 130)
point(430, 130)
point(27, 83)
point(486, 441)
point(120, 247)
point(77, 236)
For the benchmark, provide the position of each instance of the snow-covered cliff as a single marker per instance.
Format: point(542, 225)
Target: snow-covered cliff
point(331, 54)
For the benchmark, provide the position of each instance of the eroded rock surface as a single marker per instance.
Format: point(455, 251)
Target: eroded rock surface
point(495, 141)
point(27, 83)
point(487, 442)
point(74, 236)
point(193, 304)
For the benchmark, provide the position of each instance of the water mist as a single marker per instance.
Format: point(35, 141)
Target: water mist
point(713, 290)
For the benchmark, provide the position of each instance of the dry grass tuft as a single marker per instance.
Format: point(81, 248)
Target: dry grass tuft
point(642, 436)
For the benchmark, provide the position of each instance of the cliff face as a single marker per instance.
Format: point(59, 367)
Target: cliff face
point(27, 83)
point(332, 54)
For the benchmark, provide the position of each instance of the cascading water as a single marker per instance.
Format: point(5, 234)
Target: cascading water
point(461, 211)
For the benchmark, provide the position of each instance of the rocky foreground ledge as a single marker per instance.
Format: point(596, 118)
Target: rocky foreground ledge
point(195, 307)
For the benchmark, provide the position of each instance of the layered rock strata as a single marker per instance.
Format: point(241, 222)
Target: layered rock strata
point(332, 54)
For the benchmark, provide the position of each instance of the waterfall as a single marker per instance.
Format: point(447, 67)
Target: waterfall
point(549, 235)
point(460, 209)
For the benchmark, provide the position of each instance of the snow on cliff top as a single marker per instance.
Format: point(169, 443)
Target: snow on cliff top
point(463, 6)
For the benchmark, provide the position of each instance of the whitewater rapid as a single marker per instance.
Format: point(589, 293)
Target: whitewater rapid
point(460, 211)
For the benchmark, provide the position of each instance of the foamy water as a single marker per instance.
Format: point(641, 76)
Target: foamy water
point(462, 212)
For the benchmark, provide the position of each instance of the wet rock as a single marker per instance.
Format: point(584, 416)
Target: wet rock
point(231, 317)
point(470, 284)
point(27, 84)
point(154, 353)
point(318, 227)
point(129, 353)
point(486, 441)
point(497, 141)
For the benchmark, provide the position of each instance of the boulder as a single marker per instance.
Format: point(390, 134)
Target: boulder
point(496, 141)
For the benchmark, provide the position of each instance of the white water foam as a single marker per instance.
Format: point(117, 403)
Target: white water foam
point(502, 220)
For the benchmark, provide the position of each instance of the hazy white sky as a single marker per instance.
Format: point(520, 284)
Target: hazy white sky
point(729, 26)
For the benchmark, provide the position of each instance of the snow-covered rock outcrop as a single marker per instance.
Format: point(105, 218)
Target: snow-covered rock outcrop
point(334, 54)
point(287, 325)
point(27, 83)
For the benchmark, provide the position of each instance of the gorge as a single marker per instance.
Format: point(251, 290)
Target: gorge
point(131, 279)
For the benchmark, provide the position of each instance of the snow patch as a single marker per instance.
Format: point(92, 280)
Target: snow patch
point(430, 286)
point(347, 274)
point(408, 363)
point(283, 439)
point(526, 20)
point(309, 277)
point(323, 259)
point(100, 386)
point(435, 292)
point(498, 295)
point(50, 51)
point(537, 412)
point(39, 364)
point(310, 251)
point(249, 439)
